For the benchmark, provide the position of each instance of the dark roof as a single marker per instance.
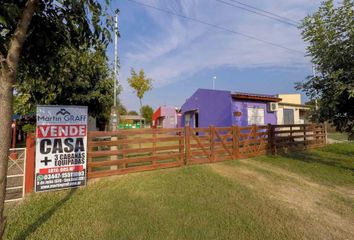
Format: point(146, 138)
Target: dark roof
point(254, 96)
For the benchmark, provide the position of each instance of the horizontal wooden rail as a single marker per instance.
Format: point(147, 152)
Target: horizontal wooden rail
point(134, 150)
point(123, 132)
point(133, 160)
point(132, 169)
point(132, 141)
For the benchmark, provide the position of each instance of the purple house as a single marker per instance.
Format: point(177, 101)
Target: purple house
point(224, 108)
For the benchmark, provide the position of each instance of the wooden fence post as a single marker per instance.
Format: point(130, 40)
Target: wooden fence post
point(271, 139)
point(315, 132)
point(154, 146)
point(114, 157)
point(305, 136)
point(187, 135)
point(325, 133)
point(30, 163)
point(254, 135)
point(89, 158)
point(212, 143)
point(236, 141)
point(181, 143)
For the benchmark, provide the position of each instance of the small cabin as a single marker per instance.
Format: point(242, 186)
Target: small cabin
point(166, 117)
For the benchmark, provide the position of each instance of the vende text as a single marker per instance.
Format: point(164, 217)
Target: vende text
point(50, 131)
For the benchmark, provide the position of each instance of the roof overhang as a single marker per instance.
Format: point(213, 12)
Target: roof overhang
point(131, 117)
point(301, 106)
point(191, 110)
point(255, 97)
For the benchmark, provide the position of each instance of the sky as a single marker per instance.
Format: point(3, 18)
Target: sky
point(182, 56)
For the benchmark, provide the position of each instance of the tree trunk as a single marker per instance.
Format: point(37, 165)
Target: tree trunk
point(141, 105)
point(5, 140)
point(7, 79)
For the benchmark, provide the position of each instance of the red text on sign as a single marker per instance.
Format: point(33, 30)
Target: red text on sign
point(50, 131)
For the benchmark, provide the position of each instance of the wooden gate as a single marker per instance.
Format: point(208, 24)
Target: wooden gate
point(252, 141)
point(198, 148)
point(15, 174)
point(222, 143)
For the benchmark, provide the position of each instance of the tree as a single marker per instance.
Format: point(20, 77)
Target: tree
point(121, 109)
point(81, 77)
point(31, 34)
point(147, 112)
point(134, 113)
point(140, 83)
point(330, 34)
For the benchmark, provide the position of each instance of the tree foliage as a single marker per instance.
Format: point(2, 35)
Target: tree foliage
point(134, 113)
point(330, 34)
point(79, 23)
point(121, 109)
point(146, 112)
point(140, 83)
point(63, 59)
point(80, 77)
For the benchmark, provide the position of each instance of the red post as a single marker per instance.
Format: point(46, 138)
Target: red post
point(30, 161)
point(13, 153)
point(13, 126)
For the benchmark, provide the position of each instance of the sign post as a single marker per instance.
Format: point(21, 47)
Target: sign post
point(61, 147)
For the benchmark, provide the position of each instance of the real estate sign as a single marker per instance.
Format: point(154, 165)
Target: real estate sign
point(61, 145)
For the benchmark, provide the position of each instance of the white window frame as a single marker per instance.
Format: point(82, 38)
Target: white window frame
point(255, 116)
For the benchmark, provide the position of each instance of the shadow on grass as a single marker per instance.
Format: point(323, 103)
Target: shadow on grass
point(314, 157)
point(44, 217)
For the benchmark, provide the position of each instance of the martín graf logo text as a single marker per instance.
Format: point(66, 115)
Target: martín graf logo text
point(62, 116)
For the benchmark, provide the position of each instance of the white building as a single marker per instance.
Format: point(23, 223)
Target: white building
point(291, 110)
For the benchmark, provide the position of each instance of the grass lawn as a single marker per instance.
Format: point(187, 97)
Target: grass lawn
point(304, 195)
point(338, 136)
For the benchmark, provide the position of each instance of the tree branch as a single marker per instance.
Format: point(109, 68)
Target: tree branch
point(19, 37)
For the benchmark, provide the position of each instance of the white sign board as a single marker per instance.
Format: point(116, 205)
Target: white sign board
point(61, 147)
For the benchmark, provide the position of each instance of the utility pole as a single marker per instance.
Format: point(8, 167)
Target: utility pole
point(114, 112)
point(115, 59)
point(115, 117)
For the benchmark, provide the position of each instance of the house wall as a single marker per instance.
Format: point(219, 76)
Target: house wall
point(155, 116)
point(213, 106)
point(170, 117)
point(242, 106)
point(290, 98)
point(280, 114)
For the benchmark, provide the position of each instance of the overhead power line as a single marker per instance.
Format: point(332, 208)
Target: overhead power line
point(261, 12)
point(216, 26)
point(268, 12)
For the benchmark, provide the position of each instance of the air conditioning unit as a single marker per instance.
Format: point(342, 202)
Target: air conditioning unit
point(272, 107)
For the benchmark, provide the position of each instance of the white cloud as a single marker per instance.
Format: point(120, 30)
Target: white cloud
point(181, 48)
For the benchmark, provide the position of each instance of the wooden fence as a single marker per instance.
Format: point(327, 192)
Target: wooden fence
point(133, 150)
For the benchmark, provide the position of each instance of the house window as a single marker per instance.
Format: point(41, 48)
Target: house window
point(255, 116)
point(187, 119)
point(172, 120)
point(288, 115)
